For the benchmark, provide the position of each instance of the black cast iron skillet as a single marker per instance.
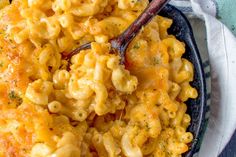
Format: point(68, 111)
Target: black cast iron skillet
point(182, 30)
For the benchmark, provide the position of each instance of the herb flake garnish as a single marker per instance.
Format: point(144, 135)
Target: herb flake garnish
point(155, 60)
point(136, 46)
point(14, 97)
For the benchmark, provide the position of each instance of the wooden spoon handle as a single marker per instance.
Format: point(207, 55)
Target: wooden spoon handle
point(120, 43)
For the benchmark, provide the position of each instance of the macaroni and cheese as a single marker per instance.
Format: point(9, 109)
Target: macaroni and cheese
point(98, 108)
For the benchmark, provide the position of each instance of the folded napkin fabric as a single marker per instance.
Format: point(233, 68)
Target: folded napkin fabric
point(221, 46)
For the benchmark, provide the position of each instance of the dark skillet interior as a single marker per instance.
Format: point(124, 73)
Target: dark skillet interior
point(196, 107)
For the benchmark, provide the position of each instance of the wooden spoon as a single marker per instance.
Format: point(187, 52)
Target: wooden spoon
point(120, 43)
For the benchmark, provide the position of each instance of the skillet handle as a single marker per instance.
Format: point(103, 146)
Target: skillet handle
point(121, 42)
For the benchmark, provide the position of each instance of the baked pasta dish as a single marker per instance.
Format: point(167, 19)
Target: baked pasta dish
point(97, 107)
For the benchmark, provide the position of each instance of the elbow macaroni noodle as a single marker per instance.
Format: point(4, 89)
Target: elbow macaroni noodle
point(98, 107)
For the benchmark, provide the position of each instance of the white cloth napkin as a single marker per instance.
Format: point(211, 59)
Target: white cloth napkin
point(221, 45)
point(222, 54)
